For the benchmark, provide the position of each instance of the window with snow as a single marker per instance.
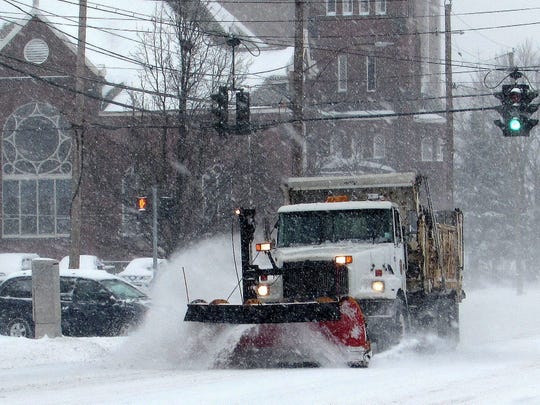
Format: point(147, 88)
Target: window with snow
point(342, 73)
point(364, 7)
point(379, 147)
point(347, 7)
point(330, 7)
point(380, 7)
point(36, 173)
point(371, 74)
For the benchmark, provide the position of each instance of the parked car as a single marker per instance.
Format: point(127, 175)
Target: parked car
point(140, 271)
point(14, 262)
point(93, 303)
point(86, 262)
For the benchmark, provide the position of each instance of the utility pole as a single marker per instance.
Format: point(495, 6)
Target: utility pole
point(76, 144)
point(297, 144)
point(449, 101)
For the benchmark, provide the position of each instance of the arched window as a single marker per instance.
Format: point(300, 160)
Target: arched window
point(36, 172)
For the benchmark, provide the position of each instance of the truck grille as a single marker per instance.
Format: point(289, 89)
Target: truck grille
point(309, 280)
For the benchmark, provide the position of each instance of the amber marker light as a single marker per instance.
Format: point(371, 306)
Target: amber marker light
point(343, 259)
point(263, 247)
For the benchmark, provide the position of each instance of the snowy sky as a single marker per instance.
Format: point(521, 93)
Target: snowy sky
point(482, 23)
point(112, 33)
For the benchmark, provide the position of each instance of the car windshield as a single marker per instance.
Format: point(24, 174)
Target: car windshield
point(122, 290)
point(317, 227)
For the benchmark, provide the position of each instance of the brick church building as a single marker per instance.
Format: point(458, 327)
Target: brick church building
point(372, 75)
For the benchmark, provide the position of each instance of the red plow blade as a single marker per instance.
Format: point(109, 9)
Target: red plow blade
point(306, 344)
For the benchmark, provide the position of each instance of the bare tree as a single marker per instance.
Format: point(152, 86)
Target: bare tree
point(184, 61)
point(497, 184)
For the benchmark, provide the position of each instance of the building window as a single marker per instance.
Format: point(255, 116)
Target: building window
point(364, 7)
point(347, 7)
point(330, 7)
point(371, 73)
point(380, 7)
point(426, 150)
point(438, 150)
point(342, 73)
point(379, 147)
point(431, 149)
point(36, 173)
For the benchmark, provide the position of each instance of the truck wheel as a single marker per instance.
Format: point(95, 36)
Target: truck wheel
point(448, 321)
point(19, 327)
point(399, 326)
point(392, 331)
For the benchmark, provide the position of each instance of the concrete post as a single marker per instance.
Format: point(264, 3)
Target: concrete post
point(46, 298)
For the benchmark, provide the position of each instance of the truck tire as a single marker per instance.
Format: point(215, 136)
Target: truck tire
point(448, 321)
point(399, 326)
point(19, 327)
point(395, 329)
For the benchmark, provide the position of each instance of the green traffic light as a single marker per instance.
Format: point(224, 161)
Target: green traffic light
point(514, 124)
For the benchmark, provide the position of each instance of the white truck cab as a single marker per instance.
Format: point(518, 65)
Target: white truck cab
point(363, 237)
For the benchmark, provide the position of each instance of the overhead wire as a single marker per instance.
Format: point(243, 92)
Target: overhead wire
point(200, 100)
point(116, 10)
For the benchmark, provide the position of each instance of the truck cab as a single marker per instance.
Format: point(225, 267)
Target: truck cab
point(359, 244)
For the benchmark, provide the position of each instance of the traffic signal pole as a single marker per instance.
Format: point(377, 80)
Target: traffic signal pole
point(154, 227)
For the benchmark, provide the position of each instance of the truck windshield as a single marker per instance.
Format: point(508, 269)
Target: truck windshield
point(317, 227)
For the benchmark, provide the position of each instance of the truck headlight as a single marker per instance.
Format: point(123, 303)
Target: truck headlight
point(377, 286)
point(263, 290)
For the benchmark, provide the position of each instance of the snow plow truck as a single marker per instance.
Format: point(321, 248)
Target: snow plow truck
point(361, 258)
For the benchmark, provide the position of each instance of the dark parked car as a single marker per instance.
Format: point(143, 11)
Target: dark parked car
point(93, 302)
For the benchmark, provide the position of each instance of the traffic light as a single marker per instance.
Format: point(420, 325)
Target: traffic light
point(516, 109)
point(142, 204)
point(242, 112)
point(220, 109)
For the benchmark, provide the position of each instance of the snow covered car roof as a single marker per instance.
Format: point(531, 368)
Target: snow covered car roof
point(141, 265)
point(14, 262)
point(86, 262)
point(97, 275)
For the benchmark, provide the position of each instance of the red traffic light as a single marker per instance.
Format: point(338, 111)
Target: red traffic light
point(142, 203)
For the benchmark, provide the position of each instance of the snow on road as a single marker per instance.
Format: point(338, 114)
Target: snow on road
point(498, 361)
point(169, 361)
